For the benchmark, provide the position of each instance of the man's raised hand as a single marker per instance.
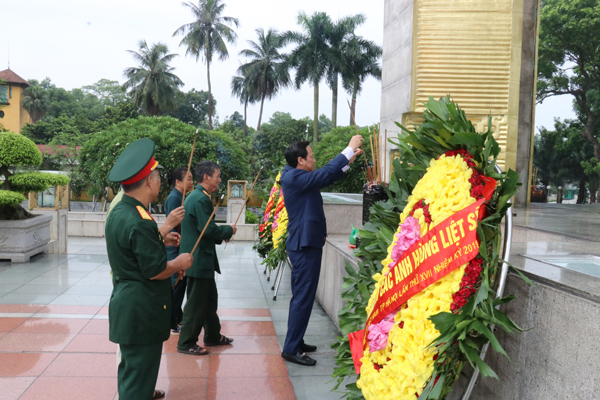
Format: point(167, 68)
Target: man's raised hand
point(355, 142)
point(356, 154)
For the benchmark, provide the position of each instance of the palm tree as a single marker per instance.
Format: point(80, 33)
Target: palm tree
point(266, 70)
point(311, 56)
point(241, 88)
point(35, 101)
point(153, 84)
point(362, 61)
point(340, 32)
point(206, 36)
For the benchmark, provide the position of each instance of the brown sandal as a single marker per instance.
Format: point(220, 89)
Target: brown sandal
point(158, 394)
point(222, 342)
point(194, 351)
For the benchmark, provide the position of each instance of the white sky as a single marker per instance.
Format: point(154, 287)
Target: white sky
point(78, 42)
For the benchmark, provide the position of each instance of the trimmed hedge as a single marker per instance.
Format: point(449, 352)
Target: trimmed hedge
point(36, 181)
point(10, 199)
point(17, 150)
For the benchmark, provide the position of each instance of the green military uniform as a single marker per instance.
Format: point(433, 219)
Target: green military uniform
point(140, 308)
point(202, 298)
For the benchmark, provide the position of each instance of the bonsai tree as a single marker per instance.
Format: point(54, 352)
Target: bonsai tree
point(18, 151)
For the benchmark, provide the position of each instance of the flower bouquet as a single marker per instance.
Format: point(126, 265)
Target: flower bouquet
point(421, 303)
point(273, 230)
point(265, 234)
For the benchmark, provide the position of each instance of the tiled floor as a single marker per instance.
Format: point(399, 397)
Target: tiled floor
point(54, 334)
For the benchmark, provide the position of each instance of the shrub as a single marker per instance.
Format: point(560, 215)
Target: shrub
point(251, 218)
point(18, 151)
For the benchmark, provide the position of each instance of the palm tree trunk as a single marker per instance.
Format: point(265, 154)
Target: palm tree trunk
point(334, 99)
point(353, 106)
point(316, 116)
point(245, 117)
point(262, 101)
point(209, 97)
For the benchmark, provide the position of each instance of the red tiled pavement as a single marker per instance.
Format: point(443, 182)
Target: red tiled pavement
point(13, 388)
point(64, 358)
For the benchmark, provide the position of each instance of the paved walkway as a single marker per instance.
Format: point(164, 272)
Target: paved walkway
point(54, 334)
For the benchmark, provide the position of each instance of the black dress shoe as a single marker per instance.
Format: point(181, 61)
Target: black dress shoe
point(299, 358)
point(307, 348)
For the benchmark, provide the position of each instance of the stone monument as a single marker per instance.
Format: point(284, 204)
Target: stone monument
point(236, 201)
point(481, 52)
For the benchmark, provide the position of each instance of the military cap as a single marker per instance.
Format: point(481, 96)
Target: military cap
point(135, 163)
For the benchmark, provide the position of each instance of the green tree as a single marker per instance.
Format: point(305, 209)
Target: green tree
point(361, 61)
point(205, 37)
point(110, 93)
point(311, 56)
point(272, 140)
point(173, 139)
point(35, 101)
point(192, 107)
point(330, 145)
point(569, 59)
point(325, 124)
point(564, 156)
point(18, 151)
point(242, 89)
point(339, 32)
point(153, 85)
point(266, 70)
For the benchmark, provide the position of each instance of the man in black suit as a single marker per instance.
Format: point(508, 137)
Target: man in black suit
point(307, 228)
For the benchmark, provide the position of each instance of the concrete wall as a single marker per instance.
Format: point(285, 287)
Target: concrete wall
point(396, 81)
point(341, 218)
point(91, 224)
point(559, 358)
point(335, 256)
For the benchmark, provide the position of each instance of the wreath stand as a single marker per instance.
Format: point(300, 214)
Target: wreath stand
point(499, 293)
point(279, 274)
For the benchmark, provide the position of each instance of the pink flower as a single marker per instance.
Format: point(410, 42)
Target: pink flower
point(378, 333)
point(410, 232)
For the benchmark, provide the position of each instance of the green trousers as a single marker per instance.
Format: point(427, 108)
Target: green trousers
point(200, 311)
point(138, 370)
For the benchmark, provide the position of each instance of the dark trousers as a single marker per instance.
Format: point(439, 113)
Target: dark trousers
point(138, 370)
point(200, 311)
point(178, 295)
point(306, 266)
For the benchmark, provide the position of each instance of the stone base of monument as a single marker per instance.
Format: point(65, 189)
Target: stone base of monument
point(245, 232)
point(20, 240)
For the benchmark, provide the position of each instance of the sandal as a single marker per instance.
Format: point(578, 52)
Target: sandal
point(194, 351)
point(222, 342)
point(158, 394)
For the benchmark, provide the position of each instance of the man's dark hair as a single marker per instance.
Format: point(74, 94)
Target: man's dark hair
point(177, 174)
point(206, 168)
point(295, 150)
point(133, 186)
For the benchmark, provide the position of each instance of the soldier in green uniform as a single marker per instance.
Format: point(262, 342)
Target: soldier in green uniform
point(140, 304)
point(202, 298)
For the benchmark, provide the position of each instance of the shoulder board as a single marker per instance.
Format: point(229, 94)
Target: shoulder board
point(144, 213)
point(206, 193)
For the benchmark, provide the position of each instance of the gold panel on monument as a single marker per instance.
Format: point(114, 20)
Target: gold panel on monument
point(464, 48)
